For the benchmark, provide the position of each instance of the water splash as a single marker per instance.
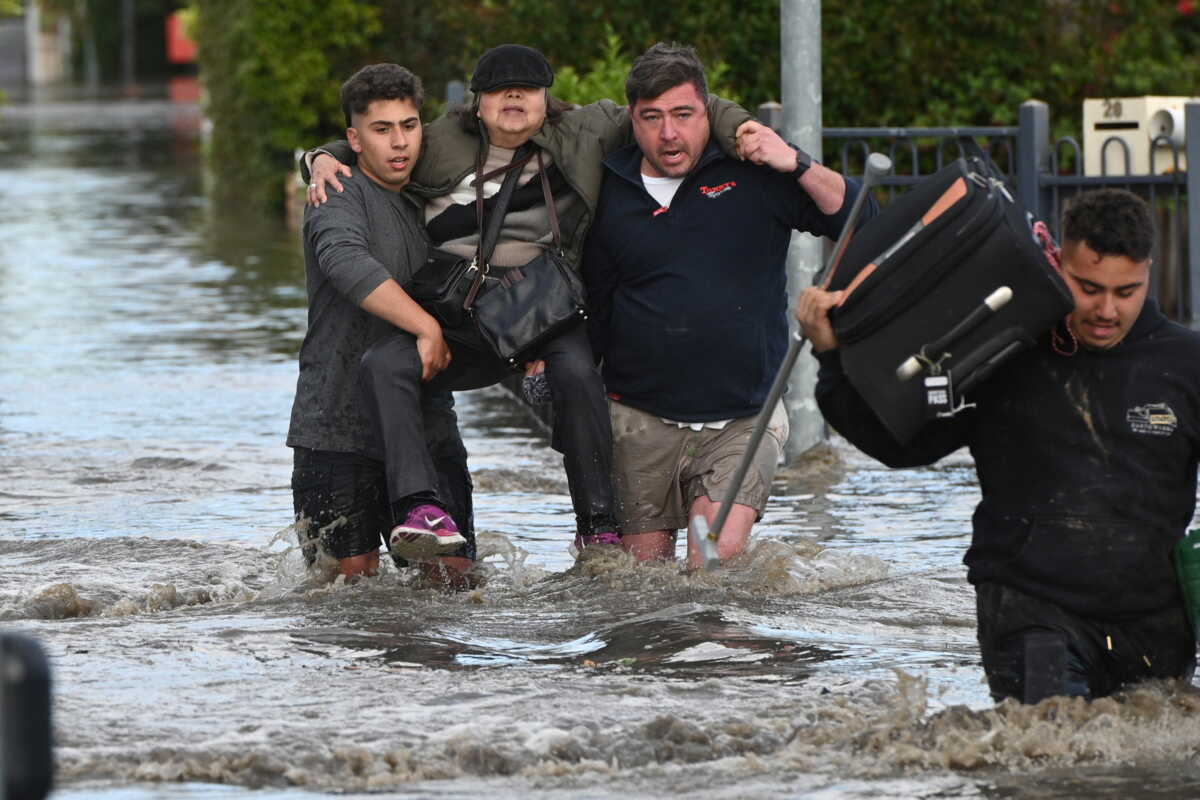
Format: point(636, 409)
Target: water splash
point(872, 733)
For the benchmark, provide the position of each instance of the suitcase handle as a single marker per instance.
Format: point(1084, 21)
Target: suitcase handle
point(932, 353)
point(982, 363)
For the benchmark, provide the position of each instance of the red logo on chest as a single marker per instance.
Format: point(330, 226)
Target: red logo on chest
point(713, 192)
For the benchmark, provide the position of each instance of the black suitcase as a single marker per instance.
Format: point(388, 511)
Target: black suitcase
point(914, 333)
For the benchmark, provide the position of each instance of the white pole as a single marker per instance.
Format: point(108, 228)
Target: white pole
point(33, 72)
point(800, 62)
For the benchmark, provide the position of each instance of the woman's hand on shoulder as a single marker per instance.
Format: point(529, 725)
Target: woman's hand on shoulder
point(325, 172)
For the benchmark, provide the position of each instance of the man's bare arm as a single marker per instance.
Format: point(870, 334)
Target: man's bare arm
point(759, 144)
point(390, 302)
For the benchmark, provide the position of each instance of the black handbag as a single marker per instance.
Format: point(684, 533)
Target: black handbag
point(441, 286)
point(447, 282)
point(532, 304)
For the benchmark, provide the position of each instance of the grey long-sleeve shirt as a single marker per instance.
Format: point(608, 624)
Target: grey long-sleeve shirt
point(352, 244)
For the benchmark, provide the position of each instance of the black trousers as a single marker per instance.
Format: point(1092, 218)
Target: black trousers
point(1033, 649)
point(390, 388)
point(342, 497)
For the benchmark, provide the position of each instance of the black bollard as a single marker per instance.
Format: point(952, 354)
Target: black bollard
point(26, 758)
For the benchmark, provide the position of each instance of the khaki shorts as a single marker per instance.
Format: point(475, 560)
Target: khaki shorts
point(660, 469)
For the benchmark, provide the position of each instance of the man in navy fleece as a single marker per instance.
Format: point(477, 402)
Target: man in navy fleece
point(687, 283)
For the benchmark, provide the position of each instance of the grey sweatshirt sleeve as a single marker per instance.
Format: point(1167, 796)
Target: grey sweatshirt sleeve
point(338, 235)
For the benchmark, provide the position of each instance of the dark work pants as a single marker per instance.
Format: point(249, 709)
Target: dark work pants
point(1033, 649)
point(390, 387)
point(342, 497)
point(445, 447)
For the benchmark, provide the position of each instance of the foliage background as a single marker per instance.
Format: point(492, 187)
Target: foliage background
point(272, 76)
point(272, 70)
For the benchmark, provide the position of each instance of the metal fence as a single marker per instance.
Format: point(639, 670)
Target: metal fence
point(1045, 175)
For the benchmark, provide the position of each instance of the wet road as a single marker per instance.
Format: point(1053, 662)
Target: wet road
point(147, 346)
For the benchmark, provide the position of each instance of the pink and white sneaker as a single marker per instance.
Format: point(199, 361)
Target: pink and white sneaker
point(426, 532)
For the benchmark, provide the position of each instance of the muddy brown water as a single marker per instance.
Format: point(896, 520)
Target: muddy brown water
point(147, 345)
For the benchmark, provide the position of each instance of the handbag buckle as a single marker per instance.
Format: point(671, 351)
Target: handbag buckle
point(476, 283)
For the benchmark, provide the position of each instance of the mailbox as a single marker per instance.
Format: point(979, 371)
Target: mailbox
point(1134, 135)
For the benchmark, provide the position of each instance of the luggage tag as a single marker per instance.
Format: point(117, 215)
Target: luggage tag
point(939, 396)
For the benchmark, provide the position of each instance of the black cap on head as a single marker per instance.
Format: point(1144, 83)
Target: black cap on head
point(511, 65)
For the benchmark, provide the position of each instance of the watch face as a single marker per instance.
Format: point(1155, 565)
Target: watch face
point(803, 161)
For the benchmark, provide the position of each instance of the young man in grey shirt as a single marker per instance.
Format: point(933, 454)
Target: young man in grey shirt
point(360, 250)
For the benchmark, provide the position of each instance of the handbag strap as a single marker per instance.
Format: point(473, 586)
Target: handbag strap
point(488, 238)
point(549, 203)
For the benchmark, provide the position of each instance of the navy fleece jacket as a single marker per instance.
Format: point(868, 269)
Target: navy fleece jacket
point(689, 303)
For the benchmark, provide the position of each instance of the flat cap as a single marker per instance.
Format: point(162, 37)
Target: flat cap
point(511, 65)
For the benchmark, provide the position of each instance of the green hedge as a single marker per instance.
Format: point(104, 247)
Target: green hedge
point(272, 74)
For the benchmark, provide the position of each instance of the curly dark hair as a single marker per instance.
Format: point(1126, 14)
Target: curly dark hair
point(380, 82)
point(663, 67)
point(1113, 222)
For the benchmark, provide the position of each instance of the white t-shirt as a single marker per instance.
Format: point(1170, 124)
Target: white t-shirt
point(662, 189)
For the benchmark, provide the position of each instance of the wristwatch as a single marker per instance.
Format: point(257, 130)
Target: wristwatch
point(803, 161)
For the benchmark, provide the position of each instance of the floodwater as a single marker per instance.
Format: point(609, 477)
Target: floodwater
point(147, 346)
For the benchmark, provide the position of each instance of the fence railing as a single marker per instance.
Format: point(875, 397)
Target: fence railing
point(1045, 175)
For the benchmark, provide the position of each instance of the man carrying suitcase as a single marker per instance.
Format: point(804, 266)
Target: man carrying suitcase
point(1086, 449)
